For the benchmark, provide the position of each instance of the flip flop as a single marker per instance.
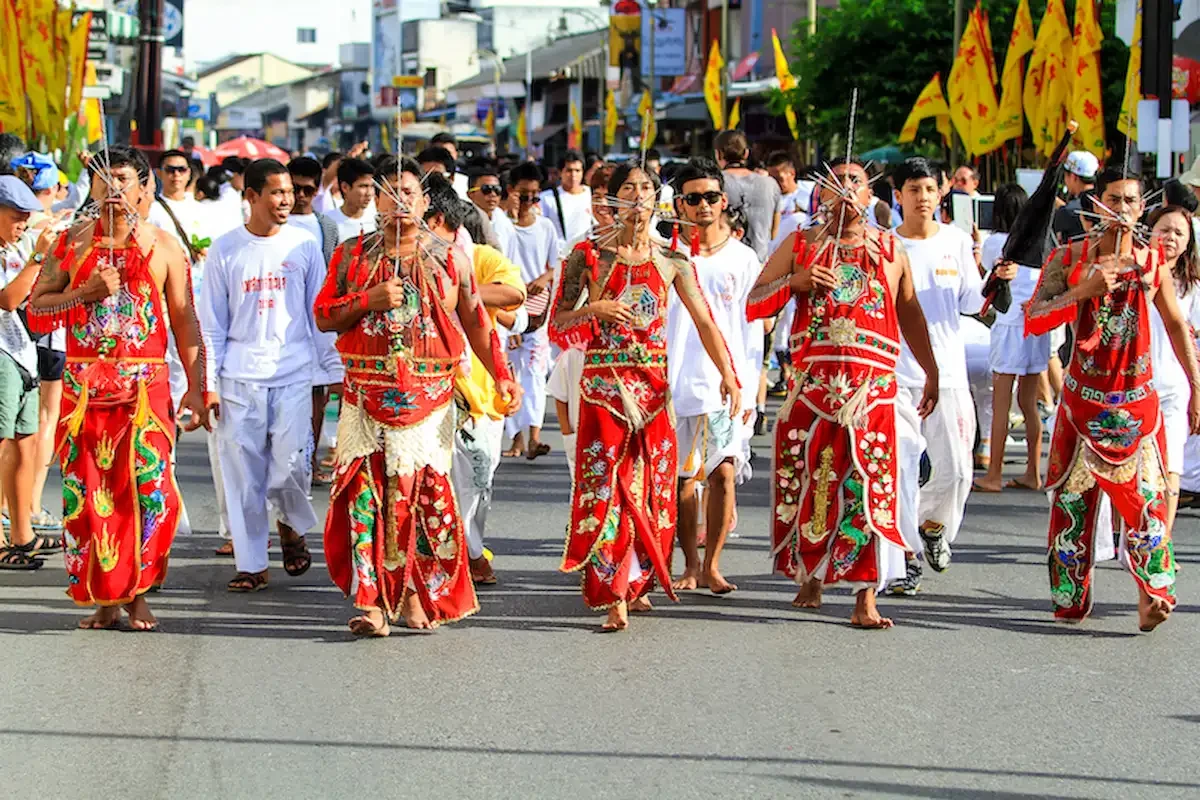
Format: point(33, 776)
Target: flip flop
point(1022, 487)
point(975, 487)
point(541, 450)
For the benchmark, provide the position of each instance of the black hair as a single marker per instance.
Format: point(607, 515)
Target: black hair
point(305, 168)
point(329, 159)
point(443, 200)
point(914, 169)
point(234, 164)
point(621, 174)
point(260, 171)
point(652, 154)
point(590, 159)
point(173, 154)
point(122, 156)
point(1113, 175)
point(525, 171)
point(698, 169)
point(736, 216)
point(351, 169)
point(1087, 201)
point(1176, 194)
point(1010, 199)
point(472, 220)
point(437, 155)
point(391, 167)
point(196, 168)
point(570, 157)
point(208, 187)
point(444, 138)
point(483, 172)
point(941, 172)
point(11, 146)
point(780, 157)
point(217, 174)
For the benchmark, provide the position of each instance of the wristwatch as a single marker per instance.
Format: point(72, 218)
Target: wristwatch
point(38, 258)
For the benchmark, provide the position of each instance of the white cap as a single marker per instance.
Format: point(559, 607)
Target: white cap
point(1083, 164)
point(1192, 176)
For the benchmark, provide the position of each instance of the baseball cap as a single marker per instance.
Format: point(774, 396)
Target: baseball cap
point(45, 171)
point(1083, 164)
point(15, 194)
point(1192, 176)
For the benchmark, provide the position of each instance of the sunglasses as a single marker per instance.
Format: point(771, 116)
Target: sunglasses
point(489, 188)
point(176, 170)
point(307, 191)
point(694, 198)
point(527, 198)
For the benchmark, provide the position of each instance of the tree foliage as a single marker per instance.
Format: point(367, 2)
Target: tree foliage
point(890, 48)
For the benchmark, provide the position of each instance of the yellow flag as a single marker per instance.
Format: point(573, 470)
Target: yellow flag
point(1127, 119)
point(930, 103)
point(523, 129)
point(78, 61)
point(649, 124)
point(1010, 123)
point(1086, 105)
point(735, 115)
point(712, 86)
point(37, 51)
point(12, 87)
point(786, 83)
point(489, 122)
point(610, 119)
point(91, 107)
point(57, 76)
point(575, 132)
point(1054, 39)
point(384, 136)
point(972, 97)
point(983, 79)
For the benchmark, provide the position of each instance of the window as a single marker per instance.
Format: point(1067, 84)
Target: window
point(306, 35)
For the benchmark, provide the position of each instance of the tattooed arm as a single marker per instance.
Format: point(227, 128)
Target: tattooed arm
point(476, 323)
point(53, 292)
point(575, 282)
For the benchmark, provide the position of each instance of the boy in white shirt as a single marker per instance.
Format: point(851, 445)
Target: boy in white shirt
point(948, 284)
point(568, 206)
point(356, 217)
point(260, 337)
point(711, 443)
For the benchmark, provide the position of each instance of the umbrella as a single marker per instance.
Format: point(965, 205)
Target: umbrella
point(207, 157)
point(252, 149)
point(884, 155)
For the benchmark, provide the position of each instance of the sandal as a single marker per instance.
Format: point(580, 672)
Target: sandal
point(45, 521)
point(43, 545)
point(226, 548)
point(245, 582)
point(16, 557)
point(541, 450)
point(296, 558)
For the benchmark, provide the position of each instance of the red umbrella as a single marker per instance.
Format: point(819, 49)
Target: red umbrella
point(253, 149)
point(207, 157)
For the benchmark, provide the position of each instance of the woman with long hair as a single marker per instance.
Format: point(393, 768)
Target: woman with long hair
point(1014, 357)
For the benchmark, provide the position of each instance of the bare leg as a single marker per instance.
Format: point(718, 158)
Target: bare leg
point(688, 522)
point(563, 412)
point(722, 495)
point(618, 619)
point(1028, 388)
point(320, 395)
point(1152, 611)
point(809, 595)
point(536, 449)
point(18, 462)
point(1172, 499)
point(518, 446)
point(140, 618)
point(866, 615)
point(1054, 373)
point(49, 400)
point(414, 615)
point(1001, 401)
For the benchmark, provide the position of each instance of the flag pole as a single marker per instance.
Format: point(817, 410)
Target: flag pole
point(728, 55)
point(958, 32)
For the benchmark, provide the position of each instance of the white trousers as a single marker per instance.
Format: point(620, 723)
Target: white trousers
point(476, 455)
point(264, 440)
point(1190, 478)
point(948, 435)
point(531, 365)
point(214, 462)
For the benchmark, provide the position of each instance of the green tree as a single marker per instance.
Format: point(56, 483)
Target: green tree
point(890, 48)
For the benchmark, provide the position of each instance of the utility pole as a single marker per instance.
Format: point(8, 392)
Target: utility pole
point(149, 74)
point(650, 5)
point(727, 54)
point(810, 148)
point(955, 142)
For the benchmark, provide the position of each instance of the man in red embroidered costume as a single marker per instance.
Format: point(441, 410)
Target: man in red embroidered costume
point(834, 493)
point(393, 537)
point(623, 506)
point(116, 285)
point(1109, 435)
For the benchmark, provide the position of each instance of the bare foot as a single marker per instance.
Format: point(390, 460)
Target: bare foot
point(618, 619)
point(481, 572)
point(988, 485)
point(809, 595)
point(140, 618)
point(689, 581)
point(641, 605)
point(717, 584)
point(372, 624)
point(513, 452)
point(866, 615)
point(105, 619)
point(414, 614)
point(1152, 612)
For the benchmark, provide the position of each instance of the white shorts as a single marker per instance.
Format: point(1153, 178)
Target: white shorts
point(565, 380)
point(706, 440)
point(1014, 353)
point(1175, 423)
point(1058, 337)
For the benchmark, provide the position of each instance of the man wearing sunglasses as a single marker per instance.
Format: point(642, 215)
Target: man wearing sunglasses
point(711, 442)
point(485, 193)
point(175, 210)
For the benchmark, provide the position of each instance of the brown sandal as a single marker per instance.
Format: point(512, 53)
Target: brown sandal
point(296, 558)
point(225, 549)
point(246, 582)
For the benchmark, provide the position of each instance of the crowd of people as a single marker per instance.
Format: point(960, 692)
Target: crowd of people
point(440, 306)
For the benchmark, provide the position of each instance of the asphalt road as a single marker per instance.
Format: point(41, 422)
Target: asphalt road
point(975, 693)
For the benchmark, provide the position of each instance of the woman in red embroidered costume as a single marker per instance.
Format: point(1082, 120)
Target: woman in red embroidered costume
point(834, 493)
point(1108, 435)
point(115, 285)
point(393, 537)
point(623, 511)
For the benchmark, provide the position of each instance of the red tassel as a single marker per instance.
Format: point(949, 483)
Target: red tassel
point(1083, 252)
point(1066, 256)
point(798, 244)
point(675, 236)
point(1076, 274)
point(98, 231)
point(695, 241)
point(891, 248)
point(450, 263)
point(60, 249)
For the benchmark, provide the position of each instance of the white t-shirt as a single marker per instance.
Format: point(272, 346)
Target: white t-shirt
point(725, 278)
point(947, 284)
point(14, 337)
point(193, 216)
point(576, 210)
point(506, 234)
point(535, 248)
point(797, 200)
point(309, 223)
point(1022, 286)
point(227, 212)
point(1169, 375)
point(351, 227)
point(256, 307)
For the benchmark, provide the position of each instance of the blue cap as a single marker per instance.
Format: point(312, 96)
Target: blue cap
point(45, 171)
point(15, 194)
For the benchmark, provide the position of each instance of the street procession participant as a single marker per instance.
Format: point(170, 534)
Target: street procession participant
point(947, 283)
point(394, 541)
point(1109, 435)
point(711, 440)
point(623, 500)
point(262, 346)
point(835, 489)
point(115, 283)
